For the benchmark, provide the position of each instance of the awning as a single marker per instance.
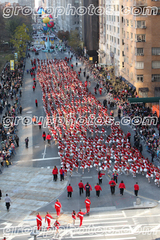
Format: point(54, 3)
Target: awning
point(144, 100)
point(144, 89)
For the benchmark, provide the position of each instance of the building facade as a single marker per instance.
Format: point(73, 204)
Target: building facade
point(110, 43)
point(141, 63)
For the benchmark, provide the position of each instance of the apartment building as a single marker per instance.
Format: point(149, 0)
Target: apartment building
point(140, 63)
point(110, 34)
point(69, 21)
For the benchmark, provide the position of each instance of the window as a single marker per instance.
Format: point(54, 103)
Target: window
point(131, 35)
point(139, 51)
point(140, 37)
point(107, 26)
point(139, 78)
point(124, 22)
point(118, 40)
point(117, 29)
point(117, 19)
point(117, 7)
point(127, 35)
point(124, 34)
point(139, 65)
point(155, 64)
point(114, 39)
point(140, 24)
point(107, 46)
point(114, 29)
point(155, 77)
point(123, 53)
point(127, 22)
point(155, 51)
point(110, 27)
point(115, 50)
point(123, 64)
point(118, 52)
point(131, 23)
point(114, 18)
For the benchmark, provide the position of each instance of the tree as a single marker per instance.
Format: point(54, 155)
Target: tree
point(74, 40)
point(20, 39)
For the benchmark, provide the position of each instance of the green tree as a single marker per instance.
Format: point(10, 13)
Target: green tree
point(20, 39)
point(74, 40)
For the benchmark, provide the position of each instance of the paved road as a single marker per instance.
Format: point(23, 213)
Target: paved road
point(40, 156)
point(102, 224)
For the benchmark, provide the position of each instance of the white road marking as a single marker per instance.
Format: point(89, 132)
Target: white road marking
point(36, 147)
point(44, 151)
point(87, 177)
point(44, 159)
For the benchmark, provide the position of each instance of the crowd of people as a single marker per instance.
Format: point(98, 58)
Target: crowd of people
point(83, 146)
point(10, 94)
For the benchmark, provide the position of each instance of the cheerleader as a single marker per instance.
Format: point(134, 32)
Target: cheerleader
point(74, 216)
point(157, 179)
point(57, 224)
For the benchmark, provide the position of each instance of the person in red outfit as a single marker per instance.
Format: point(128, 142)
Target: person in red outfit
point(55, 172)
point(98, 189)
point(74, 216)
point(36, 102)
point(39, 221)
point(61, 171)
point(40, 124)
point(80, 215)
point(33, 88)
point(88, 203)
point(57, 224)
point(112, 184)
point(122, 187)
point(136, 189)
point(128, 136)
point(48, 218)
point(100, 177)
point(81, 187)
point(49, 138)
point(58, 206)
point(44, 136)
point(69, 190)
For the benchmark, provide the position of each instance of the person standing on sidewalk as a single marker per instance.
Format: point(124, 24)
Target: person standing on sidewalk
point(58, 206)
point(40, 124)
point(48, 218)
point(69, 190)
point(136, 189)
point(55, 173)
point(17, 140)
point(129, 136)
point(98, 189)
point(88, 188)
point(81, 187)
point(39, 221)
point(88, 203)
point(26, 141)
point(8, 202)
point(112, 184)
point(122, 187)
point(80, 215)
point(61, 171)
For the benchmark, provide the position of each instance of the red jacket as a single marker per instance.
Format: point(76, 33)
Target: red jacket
point(38, 218)
point(87, 202)
point(48, 217)
point(136, 187)
point(80, 185)
point(98, 188)
point(128, 134)
point(122, 185)
point(80, 214)
point(55, 171)
point(43, 135)
point(112, 183)
point(48, 137)
point(61, 171)
point(100, 175)
point(57, 205)
point(69, 189)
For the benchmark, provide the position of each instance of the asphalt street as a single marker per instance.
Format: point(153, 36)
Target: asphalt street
point(107, 211)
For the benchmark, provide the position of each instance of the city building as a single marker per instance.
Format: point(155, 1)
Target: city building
point(30, 3)
point(141, 53)
point(89, 29)
point(110, 34)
